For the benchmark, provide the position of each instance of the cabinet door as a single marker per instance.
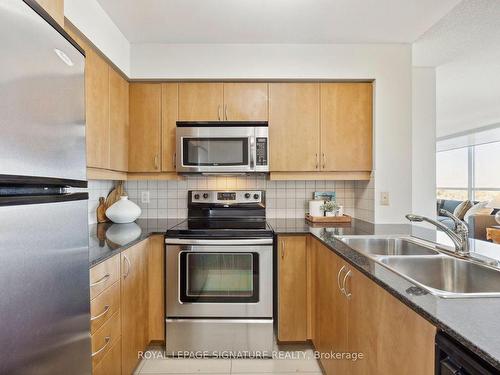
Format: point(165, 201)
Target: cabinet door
point(156, 288)
point(118, 121)
point(134, 304)
point(55, 8)
point(111, 364)
point(97, 109)
point(245, 101)
point(145, 127)
point(294, 127)
point(363, 329)
point(200, 101)
point(330, 333)
point(405, 340)
point(169, 108)
point(292, 288)
point(346, 126)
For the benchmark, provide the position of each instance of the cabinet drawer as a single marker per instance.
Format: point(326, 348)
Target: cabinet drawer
point(105, 337)
point(104, 306)
point(111, 363)
point(104, 275)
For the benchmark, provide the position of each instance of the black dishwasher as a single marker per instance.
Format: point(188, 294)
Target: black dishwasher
point(454, 359)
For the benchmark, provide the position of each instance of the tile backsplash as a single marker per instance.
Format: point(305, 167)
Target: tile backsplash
point(284, 199)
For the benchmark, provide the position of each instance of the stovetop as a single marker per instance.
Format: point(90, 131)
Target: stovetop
point(221, 227)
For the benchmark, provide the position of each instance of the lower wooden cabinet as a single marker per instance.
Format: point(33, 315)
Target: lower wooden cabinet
point(128, 308)
point(355, 315)
point(292, 295)
point(134, 304)
point(111, 363)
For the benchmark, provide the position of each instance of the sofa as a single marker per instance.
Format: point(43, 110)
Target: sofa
point(477, 223)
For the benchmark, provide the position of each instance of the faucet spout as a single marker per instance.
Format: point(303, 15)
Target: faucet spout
point(459, 236)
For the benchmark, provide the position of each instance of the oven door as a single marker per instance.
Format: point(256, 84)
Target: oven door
point(219, 280)
point(216, 149)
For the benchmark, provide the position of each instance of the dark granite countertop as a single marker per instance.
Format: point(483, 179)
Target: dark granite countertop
point(108, 239)
point(472, 322)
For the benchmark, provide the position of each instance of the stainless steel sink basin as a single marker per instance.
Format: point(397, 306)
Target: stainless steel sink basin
point(387, 246)
point(447, 276)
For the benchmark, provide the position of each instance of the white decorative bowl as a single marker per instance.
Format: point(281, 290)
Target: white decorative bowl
point(123, 234)
point(123, 211)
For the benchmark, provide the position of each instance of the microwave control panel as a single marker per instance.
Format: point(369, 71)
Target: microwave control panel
point(261, 150)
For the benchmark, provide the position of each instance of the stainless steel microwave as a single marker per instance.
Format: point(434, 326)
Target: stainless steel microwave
point(222, 147)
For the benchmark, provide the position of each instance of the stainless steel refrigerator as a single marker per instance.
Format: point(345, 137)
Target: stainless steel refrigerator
point(44, 276)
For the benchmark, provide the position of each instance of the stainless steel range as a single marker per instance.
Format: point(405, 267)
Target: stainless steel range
point(219, 279)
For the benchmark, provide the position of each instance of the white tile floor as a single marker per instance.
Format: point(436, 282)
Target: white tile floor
point(305, 363)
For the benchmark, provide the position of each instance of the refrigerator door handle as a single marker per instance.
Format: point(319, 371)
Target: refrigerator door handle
point(19, 200)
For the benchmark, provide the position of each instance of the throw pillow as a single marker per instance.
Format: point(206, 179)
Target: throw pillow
point(462, 208)
point(478, 209)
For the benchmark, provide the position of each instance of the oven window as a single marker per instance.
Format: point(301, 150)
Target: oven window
point(219, 277)
point(215, 151)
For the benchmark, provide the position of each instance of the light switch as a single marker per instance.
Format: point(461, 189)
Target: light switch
point(145, 197)
point(384, 198)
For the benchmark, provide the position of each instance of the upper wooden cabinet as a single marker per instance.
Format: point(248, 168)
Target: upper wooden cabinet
point(245, 101)
point(292, 281)
point(55, 8)
point(200, 101)
point(145, 127)
point(118, 121)
point(346, 126)
point(97, 110)
point(217, 101)
point(169, 115)
point(294, 126)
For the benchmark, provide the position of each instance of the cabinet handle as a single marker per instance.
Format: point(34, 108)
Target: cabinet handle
point(347, 294)
point(225, 111)
point(101, 280)
point(282, 249)
point(338, 278)
point(317, 161)
point(218, 111)
point(156, 162)
point(174, 159)
point(106, 309)
point(107, 339)
point(128, 266)
point(324, 161)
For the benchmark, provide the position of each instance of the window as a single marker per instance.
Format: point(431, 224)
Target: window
point(486, 174)
point(468, 172)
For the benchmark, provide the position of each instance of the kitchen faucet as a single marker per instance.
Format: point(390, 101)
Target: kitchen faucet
point(459, 235)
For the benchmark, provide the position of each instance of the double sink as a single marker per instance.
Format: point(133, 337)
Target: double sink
point(426, 266)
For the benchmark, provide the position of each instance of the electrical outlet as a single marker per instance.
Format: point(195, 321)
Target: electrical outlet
point(145, 197)
point(384, 198)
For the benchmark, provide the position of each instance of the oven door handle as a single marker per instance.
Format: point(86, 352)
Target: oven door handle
point(185, 241)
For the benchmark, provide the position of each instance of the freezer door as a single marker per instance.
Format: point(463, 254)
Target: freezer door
point(44, 289)
point(42, 104)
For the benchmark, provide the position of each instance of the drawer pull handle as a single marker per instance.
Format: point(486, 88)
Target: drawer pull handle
point(101, 280)
point(107, 339)
point(106, 309)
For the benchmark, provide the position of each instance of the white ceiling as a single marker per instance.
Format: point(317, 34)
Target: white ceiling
point(275, 21)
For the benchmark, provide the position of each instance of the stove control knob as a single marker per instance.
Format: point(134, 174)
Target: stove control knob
point(197, 196)
point(205, 195)
point(247, 195)
point(256, 196)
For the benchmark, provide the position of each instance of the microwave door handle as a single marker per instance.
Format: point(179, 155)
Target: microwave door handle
point(252, 152)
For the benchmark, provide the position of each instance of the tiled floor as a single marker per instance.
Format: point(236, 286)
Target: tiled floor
point(303, 362)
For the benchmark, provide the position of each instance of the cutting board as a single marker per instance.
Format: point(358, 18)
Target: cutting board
point(115, 194)
point(329, 219)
